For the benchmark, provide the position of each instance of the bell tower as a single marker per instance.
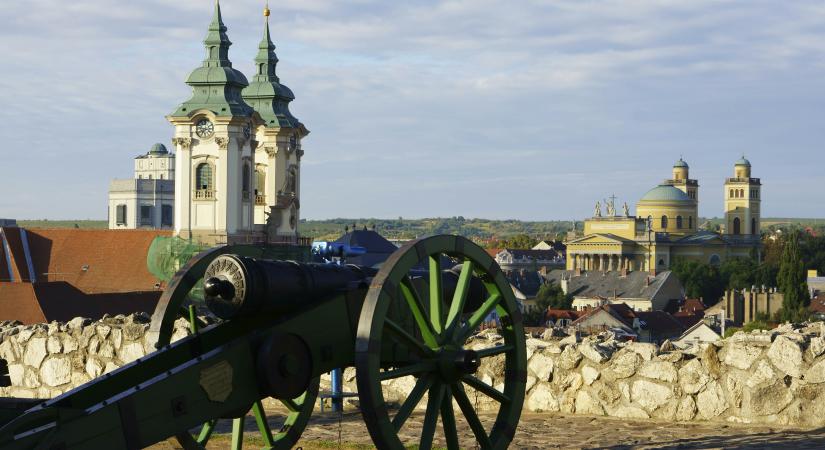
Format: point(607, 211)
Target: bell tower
point(277, 152)
point(213, 143)
point(743, 197)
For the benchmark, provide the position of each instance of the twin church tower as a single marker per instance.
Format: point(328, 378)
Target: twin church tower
point(238, 149)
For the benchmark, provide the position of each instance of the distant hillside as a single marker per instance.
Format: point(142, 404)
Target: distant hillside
point(45, 223)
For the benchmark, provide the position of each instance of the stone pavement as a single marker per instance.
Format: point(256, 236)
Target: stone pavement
point(549, 431)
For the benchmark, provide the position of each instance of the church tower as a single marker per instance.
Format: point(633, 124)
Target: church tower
point(681, 180)
point(277, 145)
point(742, 201)
point(213, 143)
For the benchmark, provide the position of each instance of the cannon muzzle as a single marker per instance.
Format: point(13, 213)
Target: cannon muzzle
point(240, 286)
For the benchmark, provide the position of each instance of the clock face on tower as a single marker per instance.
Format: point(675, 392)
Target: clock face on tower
point(204, 128)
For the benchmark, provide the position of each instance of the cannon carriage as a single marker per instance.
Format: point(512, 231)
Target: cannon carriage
point(281, 325)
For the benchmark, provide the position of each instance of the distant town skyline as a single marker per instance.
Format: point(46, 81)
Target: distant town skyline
point(435, 109)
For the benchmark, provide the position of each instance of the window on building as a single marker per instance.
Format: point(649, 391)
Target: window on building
point(161, 176)
point(146, 215)
point(754, 227)
point(664, 222)
point(260, 185)
point(731, 193)
point(120, 213)
point(203, 177)
point(150, 176)
point(737, 226)
point(166, 215)
point(715, 260)
point(690, 222)
point(679, 222)
point(741, 193)
point(245, 180)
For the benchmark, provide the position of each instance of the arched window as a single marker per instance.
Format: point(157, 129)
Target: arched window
point(737, 226)
point(754, 227)
point(690, 222)
point(260, 184)
point(150, 176)
point(679, 222)
point(664, 222)
point(203, 177)
point(715, 260)
point(741, 193)
point(731, 193)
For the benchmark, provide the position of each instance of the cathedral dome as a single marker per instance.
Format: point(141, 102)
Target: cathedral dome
point(158, 149)
point(665, 193)
point(681, 163)
point(743, 162)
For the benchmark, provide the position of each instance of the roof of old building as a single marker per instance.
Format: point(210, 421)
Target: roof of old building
point(378, 249)
point(531, 254)
point(655, 321)
point(526, 281)
point(635, 284)
point(665, 192)
point(556, 314)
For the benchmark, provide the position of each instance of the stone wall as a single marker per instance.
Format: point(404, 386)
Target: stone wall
point(775, 377)
point(46, 360)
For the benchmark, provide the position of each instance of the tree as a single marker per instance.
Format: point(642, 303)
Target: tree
point(549, 295)
point(792, 282)
point(699, 279)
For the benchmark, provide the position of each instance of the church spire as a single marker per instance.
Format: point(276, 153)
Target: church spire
point(266, 93)
point(216, 86)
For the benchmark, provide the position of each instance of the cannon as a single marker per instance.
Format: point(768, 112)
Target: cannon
point(280, 326)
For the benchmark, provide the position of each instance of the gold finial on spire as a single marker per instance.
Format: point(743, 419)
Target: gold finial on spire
point(266, 10)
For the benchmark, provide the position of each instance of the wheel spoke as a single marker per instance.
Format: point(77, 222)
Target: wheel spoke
point(478, 316)
point(406, 338)
point(206, 431)
point(412, 401)
point(411, 369)
point(263, 425)
point(485, 388)
point(414, 302)
point(431, 416)
point(436, 293)
point(460, 295)
point(493, 351)
point(471, 417)
point(290, 404)
point(448, 420)
point(237, 432)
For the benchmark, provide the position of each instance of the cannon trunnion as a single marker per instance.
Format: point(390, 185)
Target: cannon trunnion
point(283, 324)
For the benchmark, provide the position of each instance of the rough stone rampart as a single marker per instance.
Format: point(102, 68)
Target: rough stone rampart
point(769, 377)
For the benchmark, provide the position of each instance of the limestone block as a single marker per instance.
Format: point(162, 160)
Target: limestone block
point(710, 361)
point(589, 374)
point(16, 372)
point(78, 323)
point(693, 377)
point(659, 370)
point(117, 337)
point(735, 384)
point(131, 352)
point(629, 412)
point(79, 378)
point(686, 409)
point(758, 339)
point(595, 352)
point(741, 356)
point(7, 351)
point(571, 381)
point(649, 394)
point(135, 331)
point(56, 371)
point(666, 411)
point(645, 350)
point(816, 374)
point(531, 381)
point(349, 374)
point(770, 399)
point(569, 340)
point(762, 373)
point(607, 394)
point(711, 402)
point(94, 344)
point(110, 366)
point(94, 367)
point(53, 345)
point(786, 355)
point(103, 331)
point(586, 404)
point(25, 335)
point(569, 358)
point(541, 366)
point(625, 363)
point(624, 389)
point(817, 346)
point(69, 344)
point(542, 399)
point(35, 352)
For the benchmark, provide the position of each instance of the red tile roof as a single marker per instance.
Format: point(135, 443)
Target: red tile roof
point(556, 314)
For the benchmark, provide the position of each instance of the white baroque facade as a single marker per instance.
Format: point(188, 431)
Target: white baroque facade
point(148, 199)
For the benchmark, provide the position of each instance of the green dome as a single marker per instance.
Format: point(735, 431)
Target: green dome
point(665, 193)
point(743, 162)
point(681, 163)
point(158, 149)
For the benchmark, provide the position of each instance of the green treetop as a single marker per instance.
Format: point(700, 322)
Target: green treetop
point(266, 94)
point(216, 86)
point(792, 282)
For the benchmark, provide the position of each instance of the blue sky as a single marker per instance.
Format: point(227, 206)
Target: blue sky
point(529, 110)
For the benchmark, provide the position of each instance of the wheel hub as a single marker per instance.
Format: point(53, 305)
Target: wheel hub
point(453, 364)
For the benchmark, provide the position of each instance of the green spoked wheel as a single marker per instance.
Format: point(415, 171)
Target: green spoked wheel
point(171, 307)
point(417, 320)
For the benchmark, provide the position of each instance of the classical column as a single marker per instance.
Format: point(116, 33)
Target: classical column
point(610, 266)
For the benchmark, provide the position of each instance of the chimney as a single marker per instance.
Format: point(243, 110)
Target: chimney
point(647, 281)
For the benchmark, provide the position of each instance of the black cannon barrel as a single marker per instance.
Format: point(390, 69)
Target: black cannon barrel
point(236, 285)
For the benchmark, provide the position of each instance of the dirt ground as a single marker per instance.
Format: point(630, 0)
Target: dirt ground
point(550, 431)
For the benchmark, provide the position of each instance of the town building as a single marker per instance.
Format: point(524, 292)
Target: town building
point(518, 259)
point(640, 291)
point(237, 149)
point(623, 321)
point(148, 199)
point(747, 305)
point(699, 333)
point(665, 227)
